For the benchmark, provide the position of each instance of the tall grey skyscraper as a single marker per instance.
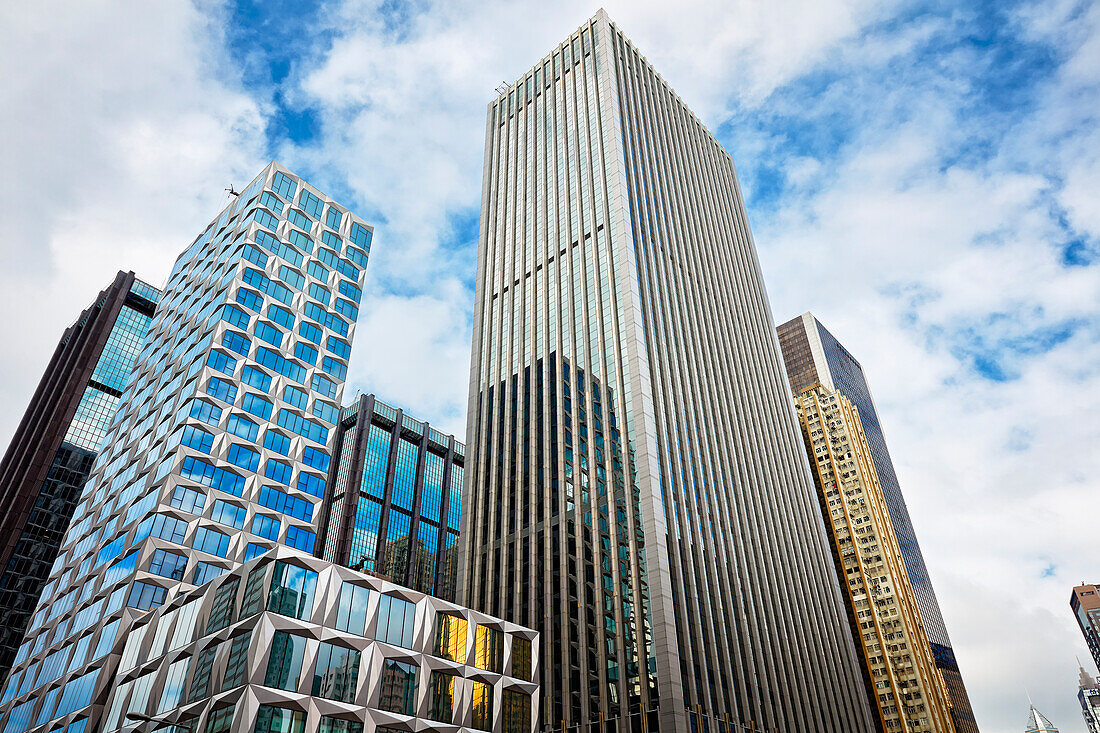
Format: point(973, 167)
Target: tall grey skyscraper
point(813, 355)
point(637, 486)
point(223, 424)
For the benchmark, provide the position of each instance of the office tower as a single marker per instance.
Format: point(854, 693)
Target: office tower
point(51, 454)
point(395, 498)
point(1085, 602)
point(1038, 723)
point(814, 356)
point(1088, 694)
point(218, 449)
point(288, 642)
point(903, 681)
point(637, 488)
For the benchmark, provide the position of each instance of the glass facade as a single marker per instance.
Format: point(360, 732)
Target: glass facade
point(396, 498)
point(228, 410)
point(638, 487)
point(91, 366)
point(814, 356)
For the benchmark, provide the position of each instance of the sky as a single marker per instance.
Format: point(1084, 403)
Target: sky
point(923, 176)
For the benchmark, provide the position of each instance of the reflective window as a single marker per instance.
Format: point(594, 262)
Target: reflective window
point(220, 721)
point(481, 705)
point(441, 688)
point(173, 686)
point(521, 658)
point(168, 564)
point(516, 712)
point(284, 666)
point(237, 663)
point(398, 690)
point(300, 538)
point(270, 719)
point(200, 682)
point(228, 514)
point(256, 378)
point(336, 673)
point(395, 621)
point(208, 540)
point(450, 637)
point(292, 590)
point(266, 527)
point(339, 725)
point(489, 649)
point(225, 605)
point(351, 615)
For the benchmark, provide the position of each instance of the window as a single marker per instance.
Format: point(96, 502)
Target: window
point(292, 590)
point(236, 316)
point(516, 712)
point(351, 614)
point(266, 527)
point(351, 290)
point(297, 397)
point(320, 293)
point(336, 673)
point(310, 484)
point(236, 342)
point(277, 471)
point(317, 270)
point(441, 688)
point(284, 666)
point(316, 459)
point(201, 472)
point(281, 316)
point(254, 255)
point(160, 525)
point(310, 204)
point(292, 277)
point(347, 309)
point(220, 721)
point(398, 689)
point(271, 719)
point(395, 621)
point(224, 606)
point(280, 501)
point(205, 571)
point(196, 438)
point(300, 538)
point(221, 389)
point(310, 331)
point(206, 412)
point(200, 683)
point(270, 201)
point(243, 457)
point(360, 235)
point(333, 218)
point(250, 299)
point(305, 352)
point(338, 347)
point(450, 637)
point(325, 411)
point(237, 663)
point(481, 705)
point(489, 649)
point(228, 514)
point(168, 564)
point(324, 385)
point(266, 332)
point(303, 426)
point(173, 686)
point(339, 725)
point(212, 541)
point(299, 219)
point(521, 658)
point(277, 442)
point(254, 550)
point(256, 378)
point(242, 427)
point(266, 219)
point(256, 405)
point(222, 362)
point(188, 500)
point(284, 185)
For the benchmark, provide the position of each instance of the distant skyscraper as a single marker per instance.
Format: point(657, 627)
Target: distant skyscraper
point(1088, 694)
point(51, 454)
point(1038, 723)
point(1085, 602)
point(395, 498)
point(219, 446)
point(638, 491)
point(814, 356)
point(905, 684)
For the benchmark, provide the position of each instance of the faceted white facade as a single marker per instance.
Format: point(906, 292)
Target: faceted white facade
point(218, 450)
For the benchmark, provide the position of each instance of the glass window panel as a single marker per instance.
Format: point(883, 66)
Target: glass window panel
point(336, 673)
point(292, 590)
point(397, 693)
point(351, 615)
point(284, 666)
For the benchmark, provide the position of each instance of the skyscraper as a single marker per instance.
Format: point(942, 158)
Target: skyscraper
point(814, 356)
point(51, 453)
point(222, 426)
point(1088, 694)
point(395, 498)
point(906, 688)
point(637, 488)
point(1085, 602)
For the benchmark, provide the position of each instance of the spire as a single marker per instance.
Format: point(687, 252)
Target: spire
point(1085, 681)
point(1038, 723)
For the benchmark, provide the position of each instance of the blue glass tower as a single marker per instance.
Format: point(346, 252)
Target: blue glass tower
point(219, 449)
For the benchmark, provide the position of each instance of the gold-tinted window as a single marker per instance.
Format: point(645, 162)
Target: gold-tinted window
point(489, 649)
point(450, 637)
point(517, 712)
point(482, 705)
point(521, 658)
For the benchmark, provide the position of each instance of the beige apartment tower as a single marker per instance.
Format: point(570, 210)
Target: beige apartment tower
point(636, 487)
point(908, 690)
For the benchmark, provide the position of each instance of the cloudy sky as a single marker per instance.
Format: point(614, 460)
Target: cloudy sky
point(936, 164)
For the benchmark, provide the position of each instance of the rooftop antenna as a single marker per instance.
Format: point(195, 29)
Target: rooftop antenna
point(232, 191)
point(502, 88)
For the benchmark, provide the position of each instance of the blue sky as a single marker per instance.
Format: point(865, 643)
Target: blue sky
point(936, 163)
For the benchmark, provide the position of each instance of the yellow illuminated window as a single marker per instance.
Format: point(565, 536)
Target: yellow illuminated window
point(482, 703)
point(450, 637)
point(489, 649)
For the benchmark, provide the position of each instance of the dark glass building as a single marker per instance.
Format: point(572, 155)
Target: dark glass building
point(638, 488)
point(815, 356)
point(51, 455)
point(395, 498)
